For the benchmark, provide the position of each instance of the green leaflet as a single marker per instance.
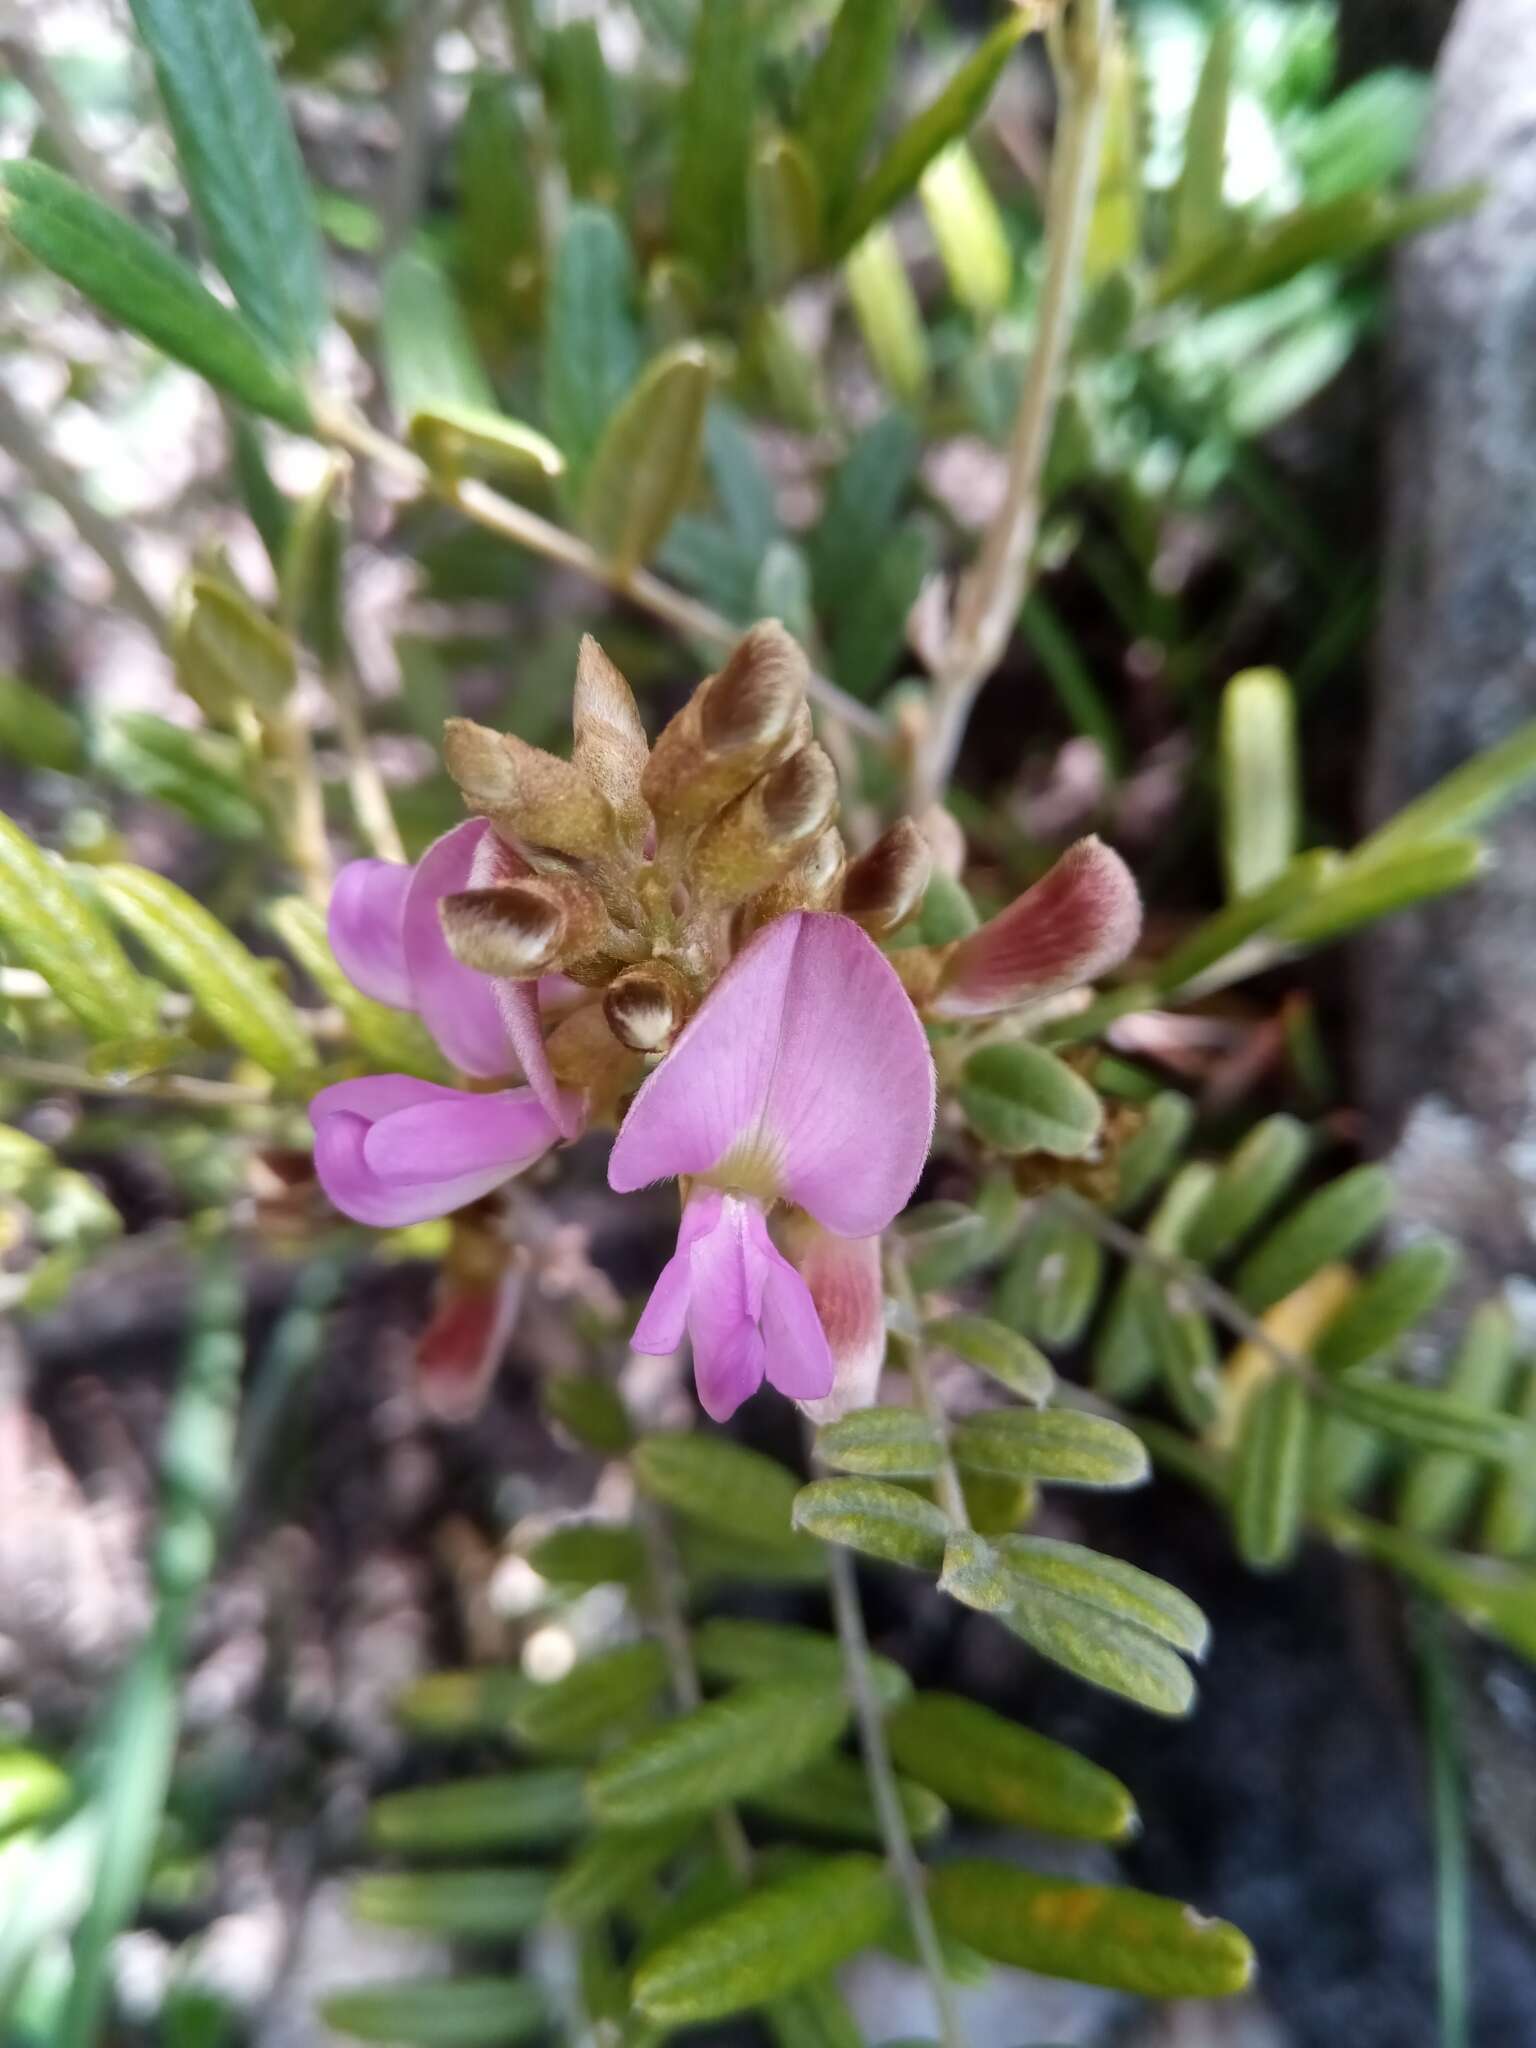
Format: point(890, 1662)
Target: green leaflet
point(241, 163)
point(1269, 1472)
point(889, 316)
point(199, 773)
point(1051, 1286)
point(430, 358)
point(490, 1903)
point(993, 1768)
point(758, 1735)
point(1430, 1419)
point(138, 282)
point(714, 138)
point(1098, 1934)
point(731, 1651)
point(777, 1938)
point(604, 1692)
point(589, 1409)
point(590, 1554)
point(883, 1443)
point(946, 119)
point(1256, 1176)
point(36, 730)
point(1329, 1225)
point(1111, 1583)
point(50, 927)
point(1021, 1098)
point(1461, 801)
point(439, 2012)
point(1151, 1152)
point(833, 1799)
point(1260, 780)
point(591, 344)
point(1361, 891)
point(1438, 1487)
point(1221, 935)
point(846, 88)
point(875, 1517)
point(1197, 198)
point(726, 1487)
point(1402, 1289)
point(973, 241)
point(996, 1350)
point(226, 981)
point(1059, 1446)
point(644, 467)
point(615, 1863)
point(397, 1041)
point(511, 1811)
point(229, 655)
point(784, 212)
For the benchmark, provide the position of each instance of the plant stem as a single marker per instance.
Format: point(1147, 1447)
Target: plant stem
point(189, 1089)
point(25, 445)
point(990, 594)
point(900, 1854)
point(303, 807)
point(672, 1627)
point(947, 1479)
point(371, 807)
point(1195, 1281)
point(1448, 1817)
point(540, 536)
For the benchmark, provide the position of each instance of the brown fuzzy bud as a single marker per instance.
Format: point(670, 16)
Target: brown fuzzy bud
point(733, 726)
point(524, 929)
point(610, 748)
point(647, 1005)
point(585, 1055)
point(755, 838)
point(529, 796)
point(811, 884)
point(885, 886)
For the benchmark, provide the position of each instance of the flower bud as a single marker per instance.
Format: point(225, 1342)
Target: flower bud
point(610, 744)
point(528, 795)
point(884, 887)
point(586, 1056)
point(1081, 918)
point(811, 884)
point(646, 1005)
point(524, 929)
point(732, 727)
point(755, 838)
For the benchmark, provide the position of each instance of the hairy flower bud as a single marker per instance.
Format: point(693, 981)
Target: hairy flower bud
point(523, 929)
point(529, 796)
point(755, 838)
point(610, 744)
point(730, 730)
point(885, 886)
point(646, 1005)
point(587, 1057)
point(811, 884)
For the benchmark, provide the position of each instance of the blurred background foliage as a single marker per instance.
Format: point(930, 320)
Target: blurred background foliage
point(695, 314)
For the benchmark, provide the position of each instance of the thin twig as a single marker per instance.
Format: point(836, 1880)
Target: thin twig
point(191, 1089)
point(28, 64)
point(664, 1578)
point(21, 440)
point(947, 1479)
point(1184, 1273)
point(990, 593)
point(371, 807)
point(894, 1832)
point(303, 808)
point(540, 536)
point(416, 52)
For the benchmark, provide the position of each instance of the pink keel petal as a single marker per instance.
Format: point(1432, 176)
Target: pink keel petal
point(365, 923)
point(357, 1191)
point(460, 1135)
point(665, 1318)
point(372, 1096)
point(808, 1046)
point(725, 1297)
point(843, 1275)
point(1080, 919)
point(799, 1361)
point(457, 1005)
point(517, 1005)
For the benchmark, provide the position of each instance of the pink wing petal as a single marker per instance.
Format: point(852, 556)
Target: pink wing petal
point(843, 1275)
point(665, 1316)
point(357, 1191)
point(366, 923)
point(799, 1361)
point(517, 1005)
point(722, 1316)
point(459, 1137)
point(374, 1095)
point(808, 1045)
point(457, 1005)
point(1080, 919)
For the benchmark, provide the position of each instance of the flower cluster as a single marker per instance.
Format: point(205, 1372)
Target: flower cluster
point(673, 940)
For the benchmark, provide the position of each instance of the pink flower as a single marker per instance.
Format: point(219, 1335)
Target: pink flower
point(1080, 919)
point(806, 1078)
point(390, 1149)
point(843, 1275)
point(385, 932)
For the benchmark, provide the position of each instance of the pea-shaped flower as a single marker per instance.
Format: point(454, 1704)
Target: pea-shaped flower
point(804, 1078)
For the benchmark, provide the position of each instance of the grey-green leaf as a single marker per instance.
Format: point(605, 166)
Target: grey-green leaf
point(993, 1768)
point(439, 2012)
point(139, 282)
point(1021, 1098)
point(644, 468)
point(882, 1443)
point(512, 1810)
point(241, 162)
point(1329, 1225)
point(1269, 1473)
point(591, 343)
point(1059, 1445)
point(875, 1517)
